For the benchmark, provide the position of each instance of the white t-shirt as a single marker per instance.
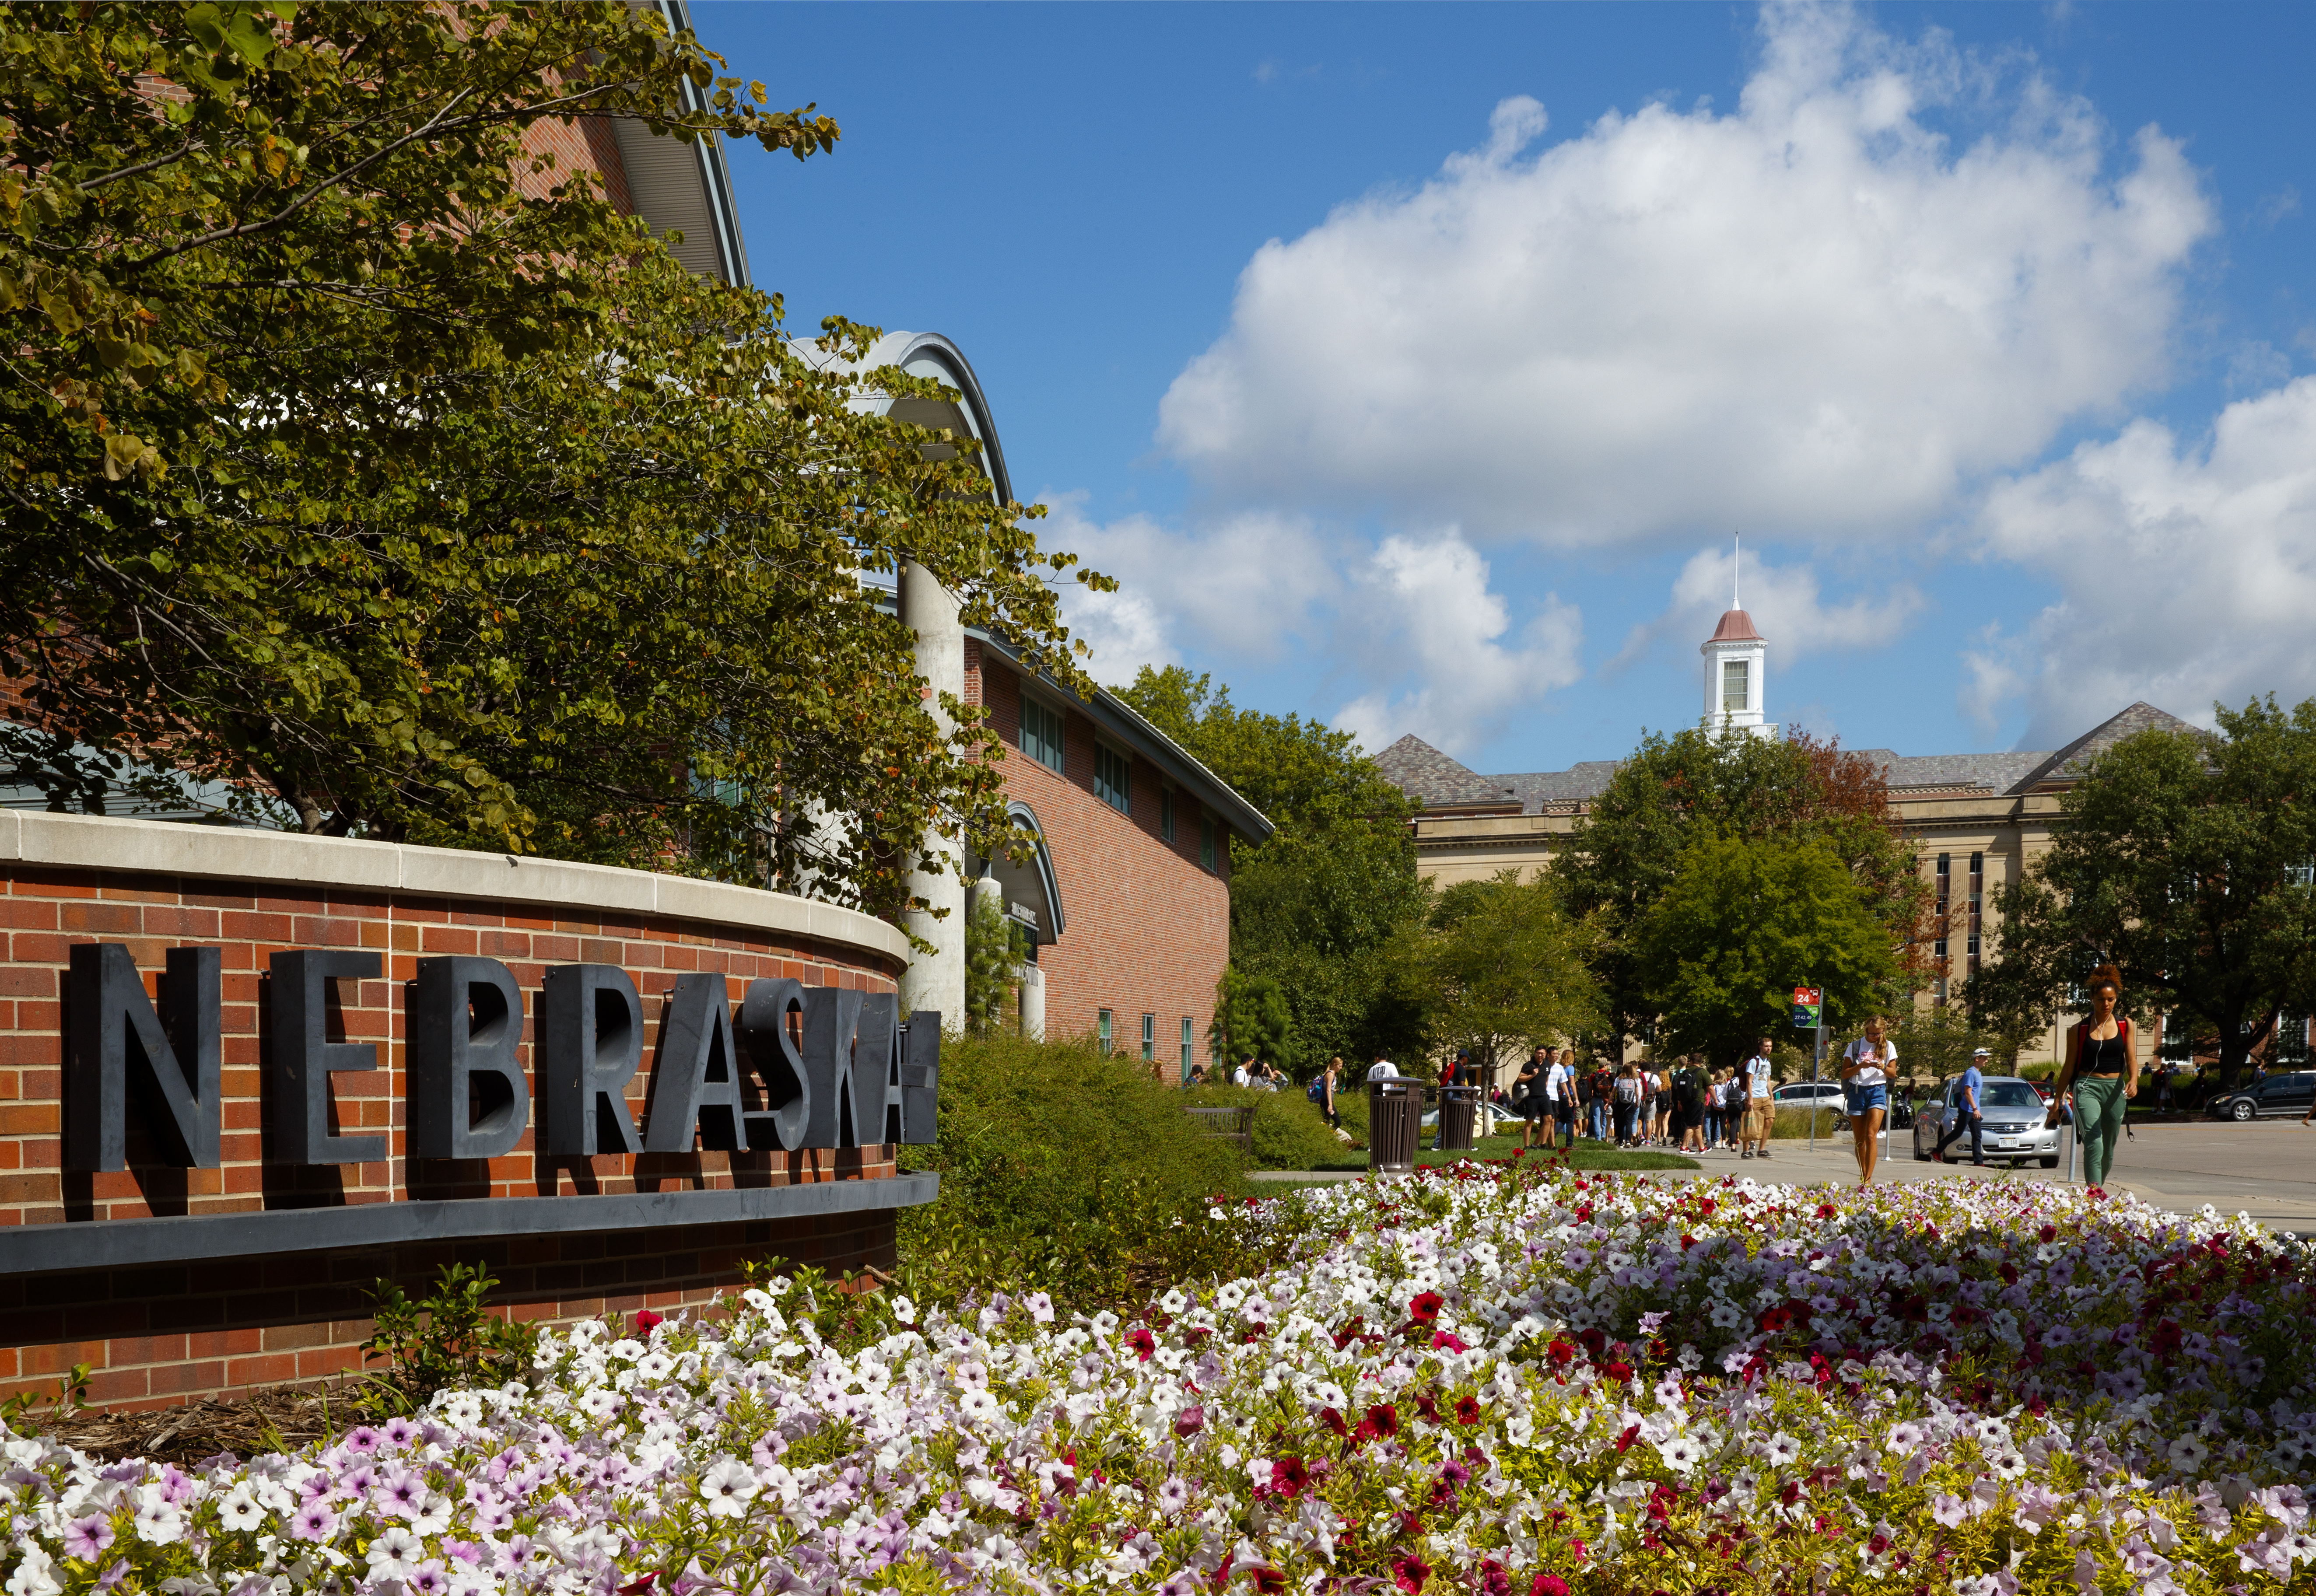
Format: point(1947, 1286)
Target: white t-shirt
point(1758, 1073)
point(1383, 1069)
point(1239, 1077)
point(1871, 1061)
point(1555, 1082)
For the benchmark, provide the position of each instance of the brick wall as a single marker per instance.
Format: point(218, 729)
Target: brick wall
point(161, 1334)
point(158, 1336)
point(1148, 927)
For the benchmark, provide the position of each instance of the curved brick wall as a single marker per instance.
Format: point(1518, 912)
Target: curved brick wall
point(160, 1332)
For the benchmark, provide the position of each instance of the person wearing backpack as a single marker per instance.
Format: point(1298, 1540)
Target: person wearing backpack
point(1628, 1103)
point(1322, 1092)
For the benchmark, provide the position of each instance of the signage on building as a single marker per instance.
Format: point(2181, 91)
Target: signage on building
point(799, 1066)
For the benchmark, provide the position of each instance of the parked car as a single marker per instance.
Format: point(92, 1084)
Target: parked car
point(1800, 1095)
point(2013, 1132)
point(2286, 1093)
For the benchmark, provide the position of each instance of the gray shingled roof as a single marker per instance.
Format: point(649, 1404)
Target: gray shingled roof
point(1438, 781)
point(1435, 781)
point(2139, 718)
point(1575, 785)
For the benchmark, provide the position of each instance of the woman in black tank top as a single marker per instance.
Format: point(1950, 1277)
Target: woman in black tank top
point(2103, 1071)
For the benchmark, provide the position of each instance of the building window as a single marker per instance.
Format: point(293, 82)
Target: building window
point(1185, 1047)
point(2289, 1049)
point(1150, 1038)
point(1977, 888)
point(1166, 813)
point(1112, 773)
point(1041, 732)
point(1734, 685)
point(1945, 883)
point(1207, 841)
point(1101, 1032)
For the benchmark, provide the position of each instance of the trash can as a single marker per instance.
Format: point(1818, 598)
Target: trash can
point(1393, 1112)
point(1459, 1107)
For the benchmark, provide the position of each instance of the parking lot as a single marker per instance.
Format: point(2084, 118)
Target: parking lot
point(2267, 1168)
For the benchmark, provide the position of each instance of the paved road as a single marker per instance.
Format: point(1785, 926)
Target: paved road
point(2267, 1169)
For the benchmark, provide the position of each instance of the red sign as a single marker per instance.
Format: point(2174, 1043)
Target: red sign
point(1807, 996)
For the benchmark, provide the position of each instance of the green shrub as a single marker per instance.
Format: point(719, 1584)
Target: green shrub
point(1288, 1132)
point(1791, 1123)
point(451, 1338)
point(1065, 1172)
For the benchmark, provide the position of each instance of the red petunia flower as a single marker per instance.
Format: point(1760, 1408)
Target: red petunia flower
point(1269, 1581)
point(1143, 1343)
point(1467, 1410)
point(1385, 1419)
point(1288, 1477)
point(1190, 1421)
point(1549, 1584)
point(646, 1321)
point(1409, 1573)
point(1426, 1307)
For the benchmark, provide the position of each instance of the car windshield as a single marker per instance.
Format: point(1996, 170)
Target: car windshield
point(2008, 1094)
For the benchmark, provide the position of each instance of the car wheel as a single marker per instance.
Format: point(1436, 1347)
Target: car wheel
point(2051, 1162)
point(2242, 1111)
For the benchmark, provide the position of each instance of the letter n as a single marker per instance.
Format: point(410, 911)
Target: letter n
point(112, 1024)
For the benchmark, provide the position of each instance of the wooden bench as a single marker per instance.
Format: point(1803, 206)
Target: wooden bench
point(1229, 1124)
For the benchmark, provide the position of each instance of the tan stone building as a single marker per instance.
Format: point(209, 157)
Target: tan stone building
point(1976, 819)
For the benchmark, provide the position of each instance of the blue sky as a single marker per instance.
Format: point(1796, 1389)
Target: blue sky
point(1411, 365)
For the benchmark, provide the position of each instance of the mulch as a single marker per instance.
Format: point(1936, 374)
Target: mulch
point(271, 1420)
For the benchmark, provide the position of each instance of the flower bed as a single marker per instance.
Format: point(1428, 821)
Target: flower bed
point(1489, 1380)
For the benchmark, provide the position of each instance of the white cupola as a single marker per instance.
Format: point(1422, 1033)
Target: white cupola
point(1736, 661)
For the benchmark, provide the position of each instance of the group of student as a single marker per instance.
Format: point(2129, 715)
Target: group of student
point(1688, 1107)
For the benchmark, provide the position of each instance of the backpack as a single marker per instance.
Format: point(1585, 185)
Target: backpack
point(1628, 1089)
point(1317, 1093)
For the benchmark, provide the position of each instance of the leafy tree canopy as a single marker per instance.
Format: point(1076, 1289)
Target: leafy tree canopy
point(1251, 1020)
point(1677, 790)
point(1746, 920)
point(1508, 964)
point(362, 460)
point(1318, 905)
point(2184, 859)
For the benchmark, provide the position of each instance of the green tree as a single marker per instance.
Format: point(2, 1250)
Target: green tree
point(1319, 906)
point(1508, 966)
point(993, 962)
point(2184, 859)
point(361, 461)
point(1251, 1020)
point(1697, 784)
point(1743, 922)
point(1940, 1042)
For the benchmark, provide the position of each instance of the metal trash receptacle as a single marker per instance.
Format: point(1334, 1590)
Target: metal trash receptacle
point(1394, 1114)
point(1459, 1110)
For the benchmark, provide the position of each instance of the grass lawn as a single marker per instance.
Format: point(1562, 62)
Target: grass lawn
point(1587, 1155)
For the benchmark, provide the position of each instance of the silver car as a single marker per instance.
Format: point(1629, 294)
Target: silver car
point(2013, 1132)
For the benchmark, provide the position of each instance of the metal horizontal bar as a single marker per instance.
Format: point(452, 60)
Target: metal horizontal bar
point(110, 1243)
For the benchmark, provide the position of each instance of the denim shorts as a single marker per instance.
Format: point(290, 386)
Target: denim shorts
point(1862, 1098)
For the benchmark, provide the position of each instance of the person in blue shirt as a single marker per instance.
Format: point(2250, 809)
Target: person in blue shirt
point(1966, 1115)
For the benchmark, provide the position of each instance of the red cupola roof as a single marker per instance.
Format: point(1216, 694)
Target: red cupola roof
point(1736, 627)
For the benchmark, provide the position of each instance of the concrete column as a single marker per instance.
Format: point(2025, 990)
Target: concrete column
point(1033, 1003)
point(936, 980)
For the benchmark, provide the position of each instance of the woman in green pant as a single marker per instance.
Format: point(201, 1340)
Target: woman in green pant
point(2103, 1068)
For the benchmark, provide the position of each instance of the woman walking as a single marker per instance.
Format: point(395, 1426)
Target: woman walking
point(1628, 1103)
point(1327, 1102)
point(2103, 1069)
point(1865, 1067)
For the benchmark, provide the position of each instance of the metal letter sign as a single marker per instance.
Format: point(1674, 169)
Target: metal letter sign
point(1807, 1001)
point(822, 1066)
point(305, 1059)
point(110, 1021)
point(591, 1041)
point(466, 1019)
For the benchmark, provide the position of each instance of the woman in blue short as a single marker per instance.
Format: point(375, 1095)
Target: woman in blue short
point(1865, 1069)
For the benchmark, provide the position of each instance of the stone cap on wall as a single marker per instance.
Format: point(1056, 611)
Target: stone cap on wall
point(239, 854)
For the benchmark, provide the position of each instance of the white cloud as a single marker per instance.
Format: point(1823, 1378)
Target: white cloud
point(1816, 315)
point(1243, 588)
point(1784, 604)
point(1423, 604)
point(2187, 573)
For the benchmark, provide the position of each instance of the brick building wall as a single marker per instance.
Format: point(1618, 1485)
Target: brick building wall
point(158, 1334)
point(1147, 926)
